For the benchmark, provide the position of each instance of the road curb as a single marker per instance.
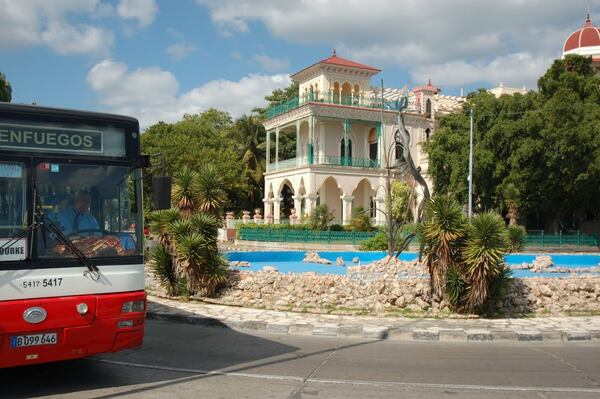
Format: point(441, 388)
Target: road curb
point(379, 332)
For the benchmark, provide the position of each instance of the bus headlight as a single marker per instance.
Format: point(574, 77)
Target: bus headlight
point(82, 308)
point(133, 306)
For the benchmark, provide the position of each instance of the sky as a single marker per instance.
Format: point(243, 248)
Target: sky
point(158, 59)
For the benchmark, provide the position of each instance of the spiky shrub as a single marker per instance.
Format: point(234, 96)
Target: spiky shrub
point(183, 195)
point(516, 237)
point(161, 264)
point(442, 234)
point(456, 288)
point(499, 288)
point(208, 188)
point(320, 217)
point(360, 220)
point(483, 256)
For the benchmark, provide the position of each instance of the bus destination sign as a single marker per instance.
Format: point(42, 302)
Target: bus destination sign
point(41, 138)
point(15, 250)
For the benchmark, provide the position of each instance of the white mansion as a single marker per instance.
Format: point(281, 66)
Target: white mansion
point(344, 140)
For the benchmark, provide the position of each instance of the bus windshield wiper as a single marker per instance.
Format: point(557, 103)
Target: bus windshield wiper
point(47, 224)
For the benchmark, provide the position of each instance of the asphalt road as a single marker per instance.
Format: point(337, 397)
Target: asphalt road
point(183, 361)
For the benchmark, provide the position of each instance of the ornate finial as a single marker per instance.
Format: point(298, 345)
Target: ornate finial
point(429, 82)
point(334, 52)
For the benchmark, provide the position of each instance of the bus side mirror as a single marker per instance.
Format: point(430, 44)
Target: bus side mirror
point(144, 161)
point(161, 192)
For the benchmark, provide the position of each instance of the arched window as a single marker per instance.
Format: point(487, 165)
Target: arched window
point(336, 93)
point(427, 133)
point(356, 96)
point(346, 93)
point(311, 93)
point(428, 108)
point(373, 144)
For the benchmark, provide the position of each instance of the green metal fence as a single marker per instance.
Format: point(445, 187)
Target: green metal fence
point(559, 240)
point(292, 235)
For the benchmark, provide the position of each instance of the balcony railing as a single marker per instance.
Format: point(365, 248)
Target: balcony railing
point(331, 98)
point(364, 163)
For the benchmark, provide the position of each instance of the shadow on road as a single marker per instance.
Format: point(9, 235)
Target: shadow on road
point(173, 352)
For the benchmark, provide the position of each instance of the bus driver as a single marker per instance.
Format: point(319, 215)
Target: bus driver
point(77, 220)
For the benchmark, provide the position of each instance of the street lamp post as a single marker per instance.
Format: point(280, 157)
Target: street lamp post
point(470, 178)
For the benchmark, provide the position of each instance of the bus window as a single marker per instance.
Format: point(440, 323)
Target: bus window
point(12, 216)
point(93, 206)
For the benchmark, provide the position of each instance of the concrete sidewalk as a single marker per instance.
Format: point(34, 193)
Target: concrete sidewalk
point(548, 329)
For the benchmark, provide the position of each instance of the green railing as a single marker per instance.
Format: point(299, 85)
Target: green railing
point(290, 235)
point(325, 160)
point(576, 239)
point(356, 162)
point(331, 98)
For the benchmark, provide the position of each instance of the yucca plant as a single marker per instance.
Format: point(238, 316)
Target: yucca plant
point(456, 288)
point(160, 222)
point(516, 237)
point(499, 288)
point(183, 195)
point(442, 234)
point(161, 264)
point(483, 256)
point(208, 188)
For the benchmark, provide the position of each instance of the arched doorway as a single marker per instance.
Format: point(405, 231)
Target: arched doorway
point(330, 195)
point(287, 202)
point(373, 145)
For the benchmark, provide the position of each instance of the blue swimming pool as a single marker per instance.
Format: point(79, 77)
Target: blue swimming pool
point(291, 261)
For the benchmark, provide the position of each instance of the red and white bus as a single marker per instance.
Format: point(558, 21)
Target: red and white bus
point(71, 261)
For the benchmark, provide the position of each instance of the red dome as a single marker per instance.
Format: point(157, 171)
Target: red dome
point(587, 36)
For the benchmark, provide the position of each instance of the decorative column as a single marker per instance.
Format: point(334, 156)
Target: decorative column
point(298, 204)
point(276, 148)
point(347, 208)
point(379, 211)
point(311, 140)
point(311, 203)
point(298, 160)
point(268, 155)
point(268, 210)
point(380, 147)
point(276, 210)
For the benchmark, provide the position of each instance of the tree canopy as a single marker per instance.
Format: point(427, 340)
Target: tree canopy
point(546, 144)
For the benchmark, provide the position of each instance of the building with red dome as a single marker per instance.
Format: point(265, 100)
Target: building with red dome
point(585, 41)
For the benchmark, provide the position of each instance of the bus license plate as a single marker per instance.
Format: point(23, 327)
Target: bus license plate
point(19, 341)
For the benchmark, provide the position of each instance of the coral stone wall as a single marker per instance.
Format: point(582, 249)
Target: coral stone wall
point(322, 293)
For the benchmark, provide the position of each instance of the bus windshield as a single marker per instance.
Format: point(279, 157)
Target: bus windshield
point(94, 206)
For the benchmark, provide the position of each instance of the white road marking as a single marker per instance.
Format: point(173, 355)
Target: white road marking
point(353, 382)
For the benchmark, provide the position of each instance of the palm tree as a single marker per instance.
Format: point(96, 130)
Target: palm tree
point(442, 233)
point(512, 201)
point(483, 256)
point(250, 136)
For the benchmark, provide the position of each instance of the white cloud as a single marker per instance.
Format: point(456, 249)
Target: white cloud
point(27, 23)
point(414, 34)
point(143, 10)
point(271, 64)
point(66, 39)
point(518, 69)
point(152, 94)
point(179, 51)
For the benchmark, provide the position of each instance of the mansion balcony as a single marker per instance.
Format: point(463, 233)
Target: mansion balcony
point(332, 98)
point(325, 160)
